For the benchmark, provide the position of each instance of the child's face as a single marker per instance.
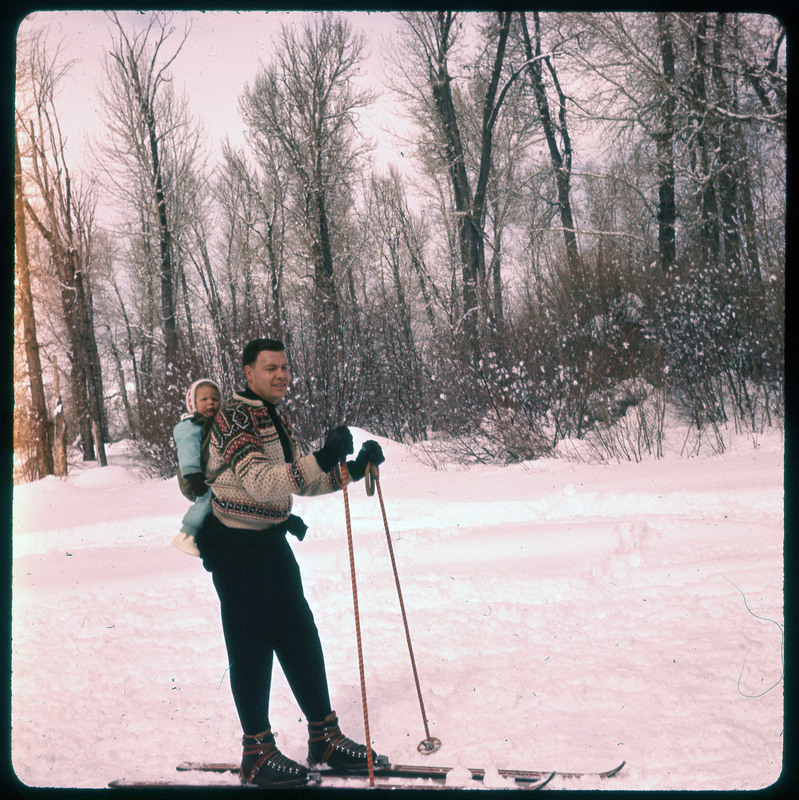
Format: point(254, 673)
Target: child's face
point(206, 400)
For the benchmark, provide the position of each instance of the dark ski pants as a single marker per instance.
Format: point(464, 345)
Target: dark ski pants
point(264, 613)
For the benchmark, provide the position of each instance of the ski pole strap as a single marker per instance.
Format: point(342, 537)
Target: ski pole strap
point(371, 475)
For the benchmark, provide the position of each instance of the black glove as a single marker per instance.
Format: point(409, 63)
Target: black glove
point(371, 453)
point(337, 446)
point(197, 482)
point(296, 526)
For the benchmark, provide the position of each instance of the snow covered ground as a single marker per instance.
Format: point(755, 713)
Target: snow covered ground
point(564, 615)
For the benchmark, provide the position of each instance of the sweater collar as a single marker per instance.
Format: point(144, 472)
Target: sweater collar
point(253, 399)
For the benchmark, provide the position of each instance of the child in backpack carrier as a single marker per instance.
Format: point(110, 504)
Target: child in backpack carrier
point(191, 436)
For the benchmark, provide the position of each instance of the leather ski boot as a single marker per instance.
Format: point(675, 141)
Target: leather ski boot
point(262, 764)
point(327, 745)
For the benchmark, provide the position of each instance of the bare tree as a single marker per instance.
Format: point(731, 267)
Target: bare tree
point(761, 55)
point(399, 389)
point(307, 101)
point(143, 119)
point(62, 213)
point(254, 198)
point(466, 153)
point(706, 89)
point(555, 128)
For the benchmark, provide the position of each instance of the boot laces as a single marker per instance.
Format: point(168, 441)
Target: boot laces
point(270, 757)
point(281, 763)
point(336, 742)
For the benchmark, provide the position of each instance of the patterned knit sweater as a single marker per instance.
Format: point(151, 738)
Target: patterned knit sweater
point(252, 481)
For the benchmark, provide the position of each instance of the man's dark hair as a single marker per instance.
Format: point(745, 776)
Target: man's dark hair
point(250, 354)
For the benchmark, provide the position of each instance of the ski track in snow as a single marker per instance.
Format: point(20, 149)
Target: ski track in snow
point(564, 616)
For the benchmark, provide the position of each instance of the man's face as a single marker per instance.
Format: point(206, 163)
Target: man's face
point(206, 400)
point(268, 377)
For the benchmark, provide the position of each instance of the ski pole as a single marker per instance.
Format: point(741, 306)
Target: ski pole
point(430, 744)
point(370, 763)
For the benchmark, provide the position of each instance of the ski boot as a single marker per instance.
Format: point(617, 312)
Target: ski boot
point(262, 764)
point(327, 745)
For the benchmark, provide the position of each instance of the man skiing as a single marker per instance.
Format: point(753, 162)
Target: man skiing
point(254, 467)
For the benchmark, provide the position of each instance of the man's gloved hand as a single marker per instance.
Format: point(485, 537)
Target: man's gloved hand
point(337, 446)
point(371, 453)
point(197, 482)
point(296, 526)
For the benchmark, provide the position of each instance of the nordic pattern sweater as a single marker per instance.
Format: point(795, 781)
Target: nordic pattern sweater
point(253, 482)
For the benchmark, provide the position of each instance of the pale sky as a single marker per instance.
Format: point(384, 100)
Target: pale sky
point(224, 49)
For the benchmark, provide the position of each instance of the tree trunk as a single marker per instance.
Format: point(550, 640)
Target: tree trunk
point(275, 280)
point(60, 445)
point(491, 106)
point(91, 357)
point(328, 314)
point(131, 351)
point(561, 162)
point(64, 260)
point(664, 141)
point(123, 390)
point(700, 153)
point(164, 242)
point(222, 331)
point(42, 427)
point(470, 207)
point(496, 280)
point(469, 245)
point(725, 147)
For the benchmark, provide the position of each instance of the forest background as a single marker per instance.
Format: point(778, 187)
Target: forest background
point(493, 232)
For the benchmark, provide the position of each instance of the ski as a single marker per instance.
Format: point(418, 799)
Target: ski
point(437, 776)
point(419, 771)
point(317, 781)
